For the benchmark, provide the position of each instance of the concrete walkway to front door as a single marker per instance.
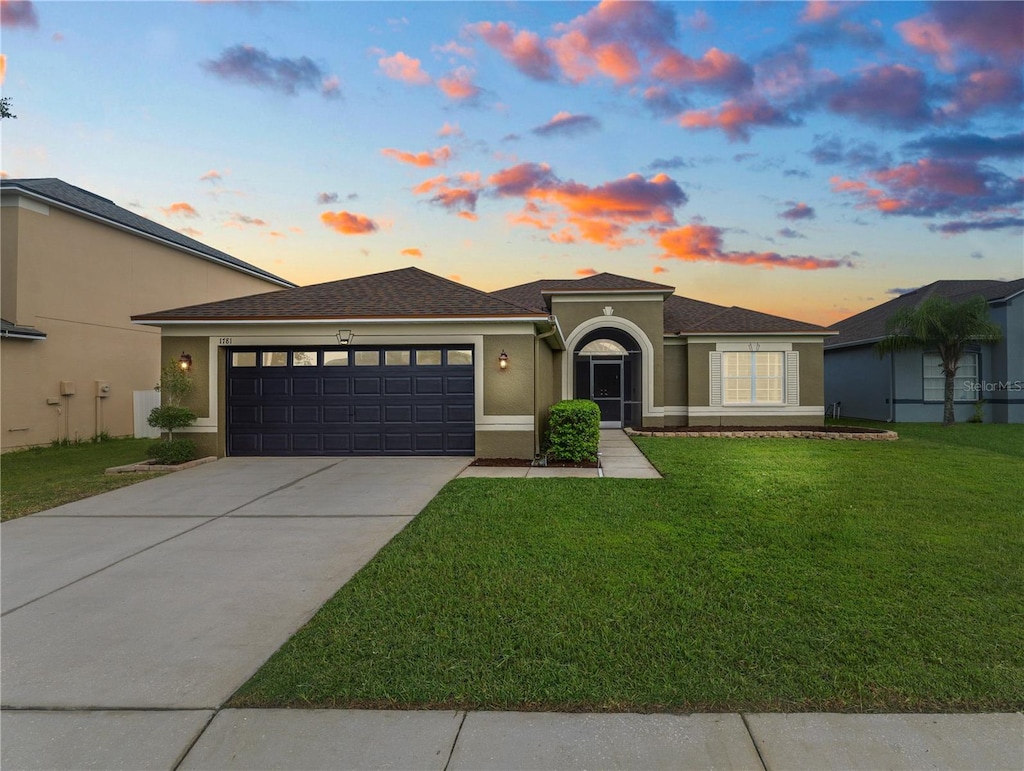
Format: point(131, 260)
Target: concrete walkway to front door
point(620, 459)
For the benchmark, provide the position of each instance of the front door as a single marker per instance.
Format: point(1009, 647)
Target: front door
point(606, 390)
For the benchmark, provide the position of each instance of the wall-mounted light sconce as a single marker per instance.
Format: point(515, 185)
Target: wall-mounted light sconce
point(344, 336)
point(185, 361)
point(503, 361)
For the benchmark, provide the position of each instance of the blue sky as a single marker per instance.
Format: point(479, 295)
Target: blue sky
point(805, 159)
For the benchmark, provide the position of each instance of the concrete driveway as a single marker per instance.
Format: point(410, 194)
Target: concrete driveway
point(169, 594)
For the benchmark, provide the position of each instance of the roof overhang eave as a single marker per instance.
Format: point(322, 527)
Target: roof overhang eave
point(160, 322)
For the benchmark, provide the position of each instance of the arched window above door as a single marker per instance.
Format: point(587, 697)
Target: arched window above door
point(603, 345)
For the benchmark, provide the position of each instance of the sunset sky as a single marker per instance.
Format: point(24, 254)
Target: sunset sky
point(804, 159)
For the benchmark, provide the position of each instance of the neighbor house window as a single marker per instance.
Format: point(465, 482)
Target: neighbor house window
point(753, 377)
point(963, 384)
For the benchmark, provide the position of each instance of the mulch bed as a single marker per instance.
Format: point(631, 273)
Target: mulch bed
point(525, 462)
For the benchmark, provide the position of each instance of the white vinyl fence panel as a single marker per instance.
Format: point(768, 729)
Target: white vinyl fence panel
point(144, 402)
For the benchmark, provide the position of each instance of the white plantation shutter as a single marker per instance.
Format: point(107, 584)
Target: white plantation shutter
point(716, 379)
point(792, 377)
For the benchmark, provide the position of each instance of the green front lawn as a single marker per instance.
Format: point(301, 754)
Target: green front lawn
point(43, 477)
point(758, 575)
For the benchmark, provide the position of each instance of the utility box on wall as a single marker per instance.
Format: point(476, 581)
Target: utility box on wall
point(102, 389)
point(67, 388)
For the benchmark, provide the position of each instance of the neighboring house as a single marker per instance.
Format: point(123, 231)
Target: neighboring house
point(908, 386)
point(406, 362)
point(75, 267)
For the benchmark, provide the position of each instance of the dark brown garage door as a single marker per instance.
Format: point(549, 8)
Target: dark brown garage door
point(413, 400)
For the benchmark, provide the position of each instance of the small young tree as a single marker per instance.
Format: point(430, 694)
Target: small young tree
point(940, 325)
point(175, 386)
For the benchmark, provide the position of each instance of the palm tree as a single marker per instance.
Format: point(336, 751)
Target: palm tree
point(945, 327)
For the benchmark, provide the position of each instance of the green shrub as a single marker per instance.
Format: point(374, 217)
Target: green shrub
point(173, 452)
point(574, 430)
point(169, 417)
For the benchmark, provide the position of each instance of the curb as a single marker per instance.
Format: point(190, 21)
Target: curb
point(149, 467)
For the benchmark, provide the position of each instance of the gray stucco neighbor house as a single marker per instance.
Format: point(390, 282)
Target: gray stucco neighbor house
point(908, 386)
point(409, 363)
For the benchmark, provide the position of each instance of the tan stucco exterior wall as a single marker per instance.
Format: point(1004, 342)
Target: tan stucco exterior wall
point(79, 281)
point(812, 374)
point(508, 391)
point(676, 381)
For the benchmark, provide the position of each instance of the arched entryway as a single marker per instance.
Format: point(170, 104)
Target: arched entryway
point(607, 368)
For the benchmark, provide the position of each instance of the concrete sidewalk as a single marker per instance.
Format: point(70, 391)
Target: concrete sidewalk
point(619, 459)
point(450, 740)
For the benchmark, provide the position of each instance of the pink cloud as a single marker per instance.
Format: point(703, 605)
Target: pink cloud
point(983, 89)
point(800, 211)
point(566, 124)
point(412, 253)
point(926, 34)
point(735, 118)
point(716, 69)
point(703, 243)
point(458, 85)
point(423, 160)
point(450, 130)
point(930, 187)
point(523, 49)
point(3, 68)
point(211, 176)
point(893, 96)
point(181, 209)
point(659, 269)
point(821, 10)
point(458, 194)
point(18, 13)
point(404, 68)
point(586, 272)
point(347, 223)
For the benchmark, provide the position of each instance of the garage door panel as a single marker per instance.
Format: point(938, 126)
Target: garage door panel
point(366, 442)
point(336, 385)
point(276, 386)
point(459, 384)
point(305, 386)
point(430, 413)
point(397, 413)
point(366, 386)
point(398, 385)
point(429, 385)
point(243, 386)
point(398, 442)
point(459, 413)
point(306, 443)
point(366, 413)
point(337, 443)
point(370, 401)
point(276, 414)
point(336, 413)
point(306, 413)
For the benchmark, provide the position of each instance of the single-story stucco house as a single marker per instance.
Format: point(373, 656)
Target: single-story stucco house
point(909, 386)
point(406, 362)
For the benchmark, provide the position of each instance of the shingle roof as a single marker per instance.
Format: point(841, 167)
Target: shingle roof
point(682, 314)
point(533, 294)
point(869, 326)
point(10, 329)
point(404, 293)
point(76, 198)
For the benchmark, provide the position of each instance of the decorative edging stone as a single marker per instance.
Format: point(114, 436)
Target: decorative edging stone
point(861, 436)
point(150, 466)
